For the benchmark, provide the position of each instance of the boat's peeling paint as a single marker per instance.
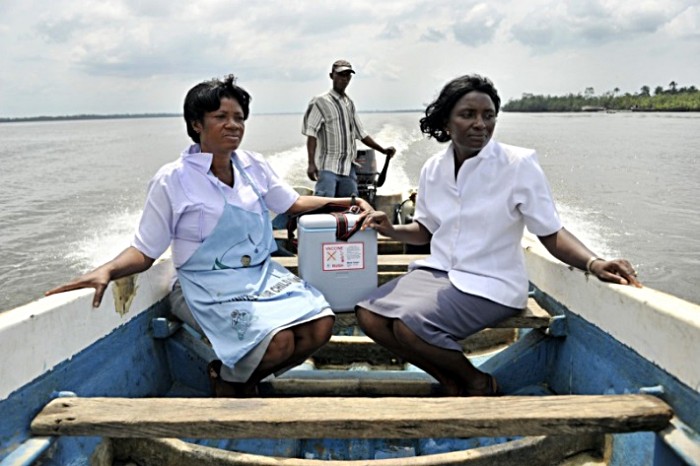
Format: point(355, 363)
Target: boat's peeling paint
point(124, 291)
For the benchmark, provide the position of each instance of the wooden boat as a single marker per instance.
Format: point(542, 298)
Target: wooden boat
point(592, 369)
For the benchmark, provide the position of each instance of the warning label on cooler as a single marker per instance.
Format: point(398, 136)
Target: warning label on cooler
point(343, 256)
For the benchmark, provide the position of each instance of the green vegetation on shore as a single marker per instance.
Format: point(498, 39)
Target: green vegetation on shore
point(88, 117)
point(672, 99)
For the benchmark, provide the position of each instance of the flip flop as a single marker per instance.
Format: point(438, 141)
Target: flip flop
point(493, 385)
point(492, 388)
point(221, 388)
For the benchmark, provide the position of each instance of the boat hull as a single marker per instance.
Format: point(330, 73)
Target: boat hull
point(606, 340)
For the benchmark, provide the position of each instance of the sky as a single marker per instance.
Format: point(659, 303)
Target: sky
point(67, 57)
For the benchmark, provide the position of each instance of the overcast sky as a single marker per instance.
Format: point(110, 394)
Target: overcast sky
point(60, 57)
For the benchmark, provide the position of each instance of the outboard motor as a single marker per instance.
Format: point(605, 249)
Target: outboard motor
point(366, 170)
point(368, 179)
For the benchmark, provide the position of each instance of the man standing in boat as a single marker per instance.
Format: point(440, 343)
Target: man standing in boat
point(331, 125)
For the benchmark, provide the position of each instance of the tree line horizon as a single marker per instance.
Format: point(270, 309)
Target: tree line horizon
point(670, 99)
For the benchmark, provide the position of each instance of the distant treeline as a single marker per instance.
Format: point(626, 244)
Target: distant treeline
point(672, 99)
point(88, 117)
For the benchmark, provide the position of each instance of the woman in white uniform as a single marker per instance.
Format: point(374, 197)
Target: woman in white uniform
point(474, 200)
point(212, 206)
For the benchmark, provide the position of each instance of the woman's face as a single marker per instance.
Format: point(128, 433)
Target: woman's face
point(471, 123)
point(221, 131)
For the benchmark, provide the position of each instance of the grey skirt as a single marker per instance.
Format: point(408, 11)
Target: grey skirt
point(437, 312)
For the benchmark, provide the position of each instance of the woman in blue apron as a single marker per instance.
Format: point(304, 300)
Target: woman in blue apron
point(212, 206)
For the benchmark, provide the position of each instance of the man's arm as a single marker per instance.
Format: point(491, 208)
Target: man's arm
point(311, 170)
point(369, 142)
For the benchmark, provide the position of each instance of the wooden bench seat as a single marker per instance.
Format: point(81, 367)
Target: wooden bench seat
point(533, 316)
point(348, 418)
point(393, 265)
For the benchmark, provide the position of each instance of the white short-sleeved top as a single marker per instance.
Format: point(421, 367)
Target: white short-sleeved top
point(185, 201)
point(477, 221)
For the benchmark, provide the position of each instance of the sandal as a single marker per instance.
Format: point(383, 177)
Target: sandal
point(221, 388)
point(495, 390)
point(492, 388)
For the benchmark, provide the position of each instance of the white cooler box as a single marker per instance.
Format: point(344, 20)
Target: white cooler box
point(344, 271)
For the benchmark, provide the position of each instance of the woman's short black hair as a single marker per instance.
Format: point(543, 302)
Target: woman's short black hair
point(438, 112)
point(206, 97)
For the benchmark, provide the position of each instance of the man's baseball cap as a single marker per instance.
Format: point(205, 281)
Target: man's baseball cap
point(342, 65)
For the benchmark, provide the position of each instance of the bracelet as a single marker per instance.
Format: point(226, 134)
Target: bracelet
point(591, 261)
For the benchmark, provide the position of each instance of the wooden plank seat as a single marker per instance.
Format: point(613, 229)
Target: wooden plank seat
point(345, 349)
point(533, 316)
point(351, 383)
point(393, 265)
point(385, 245)
point(346, 418)
point(342, 350)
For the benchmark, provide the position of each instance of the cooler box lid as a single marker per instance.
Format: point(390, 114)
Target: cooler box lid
point(324, 221)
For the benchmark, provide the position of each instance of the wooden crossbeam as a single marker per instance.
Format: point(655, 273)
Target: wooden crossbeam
point(533, 316)
point(393, 265)
point(531, 451)
point(342, 351)
point(350, 417)
point(335, 383)
point(385, 262)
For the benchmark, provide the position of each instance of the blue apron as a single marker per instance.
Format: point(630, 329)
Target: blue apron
point(236, 293)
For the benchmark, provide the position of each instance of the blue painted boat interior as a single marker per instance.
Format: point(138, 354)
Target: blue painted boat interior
point(130, 362)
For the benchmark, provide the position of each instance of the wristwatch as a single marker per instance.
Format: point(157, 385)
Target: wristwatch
point(353, 201)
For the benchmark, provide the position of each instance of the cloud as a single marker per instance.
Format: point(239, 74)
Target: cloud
point(478, 26)
point(686, 25)
point(433, 35)
point(391, 31)
point(148, 53)
point(575, 23)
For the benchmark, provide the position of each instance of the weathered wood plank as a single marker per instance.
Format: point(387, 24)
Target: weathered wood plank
point(533, 316)
point(385, 262)
point(392, 265)
point(532, 451)
point(353, 384)
point(345, 350)
point(385, 245)
point(346, 418)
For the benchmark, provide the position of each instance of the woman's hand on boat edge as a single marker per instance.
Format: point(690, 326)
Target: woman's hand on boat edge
point(615, 271)
point(98, 279)
point(128, 262)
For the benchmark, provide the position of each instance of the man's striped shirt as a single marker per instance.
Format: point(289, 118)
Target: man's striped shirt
point(333, 121)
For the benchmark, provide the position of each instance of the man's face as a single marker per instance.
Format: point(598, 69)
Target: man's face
point(341, 80)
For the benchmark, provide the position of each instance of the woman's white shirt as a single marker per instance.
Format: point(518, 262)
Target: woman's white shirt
point(185, 201)
point(477, 221)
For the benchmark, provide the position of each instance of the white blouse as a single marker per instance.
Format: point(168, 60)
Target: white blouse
point(477, 221)
point(185, 201)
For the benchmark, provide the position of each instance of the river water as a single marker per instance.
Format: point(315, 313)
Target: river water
point(628, 184)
